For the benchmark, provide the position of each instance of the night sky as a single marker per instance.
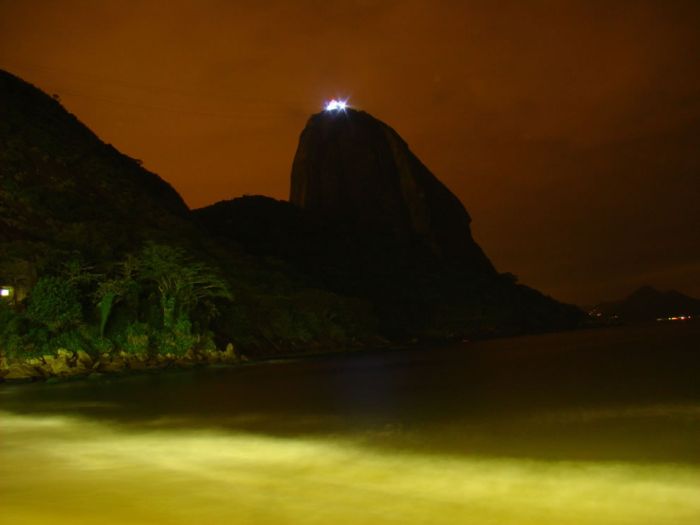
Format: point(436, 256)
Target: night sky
point(570, 130)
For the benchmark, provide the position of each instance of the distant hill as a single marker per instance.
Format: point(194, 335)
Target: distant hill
point(648, 304)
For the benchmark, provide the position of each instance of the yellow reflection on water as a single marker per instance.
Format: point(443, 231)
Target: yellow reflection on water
point(63, 470)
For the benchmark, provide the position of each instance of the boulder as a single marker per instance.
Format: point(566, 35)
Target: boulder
point(84, 359)
point(19, 371)
point(64, 354)
point(58, 365)
point(111, 364)
point(212, 356)
point(137, 362)
point(229, 355)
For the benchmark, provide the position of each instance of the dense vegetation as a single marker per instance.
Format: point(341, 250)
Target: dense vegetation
point(104, 257)
point(160, 300)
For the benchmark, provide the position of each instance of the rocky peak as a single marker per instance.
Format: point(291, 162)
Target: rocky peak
point(353, 168)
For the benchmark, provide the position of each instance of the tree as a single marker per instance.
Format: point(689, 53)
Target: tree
point(54, 302)
point(183, 284)
point(111, 291)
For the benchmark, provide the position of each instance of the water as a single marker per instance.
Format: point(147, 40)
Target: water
point(593, 427)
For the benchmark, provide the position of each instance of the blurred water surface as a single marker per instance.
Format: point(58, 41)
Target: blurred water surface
point(589, 427)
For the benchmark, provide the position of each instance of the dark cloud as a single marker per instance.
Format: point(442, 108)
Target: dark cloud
point(569, 129)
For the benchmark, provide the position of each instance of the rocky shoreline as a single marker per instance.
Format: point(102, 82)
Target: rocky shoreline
point(66, 364)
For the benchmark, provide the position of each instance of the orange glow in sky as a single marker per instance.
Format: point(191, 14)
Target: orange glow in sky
point(570, 130)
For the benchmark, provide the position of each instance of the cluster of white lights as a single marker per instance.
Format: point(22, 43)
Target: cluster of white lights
point(676, 318)
point(336, 105)
point(4, 292)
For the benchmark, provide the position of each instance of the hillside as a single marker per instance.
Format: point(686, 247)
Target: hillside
point(368, 219)
point(103, 255)
point(648, 304)
point(60, 183)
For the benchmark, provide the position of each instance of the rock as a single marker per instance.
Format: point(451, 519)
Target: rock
point(84, 359)
point(115, 364)
point(137, 362)
point(229, 355)
point(58, 365)
point(18, 371)
point(353, 168)
point(212, 356)
point(64, 354)
point(80, 369)
point(159, 360)
point(183, 362)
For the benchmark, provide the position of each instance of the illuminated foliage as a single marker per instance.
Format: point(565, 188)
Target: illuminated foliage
point(182, 283)
point(54, 302)
point(113, 290)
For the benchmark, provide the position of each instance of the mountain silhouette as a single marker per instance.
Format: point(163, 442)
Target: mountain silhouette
point(61, 185)
point(372, 242)
point(368, 219)
point(352, 167)
point(648, 304)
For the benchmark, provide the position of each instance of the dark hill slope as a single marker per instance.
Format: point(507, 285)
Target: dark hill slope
point(415, 293)
point(62, 185)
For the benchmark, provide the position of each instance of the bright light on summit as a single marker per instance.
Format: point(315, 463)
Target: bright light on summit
point(336, 105)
